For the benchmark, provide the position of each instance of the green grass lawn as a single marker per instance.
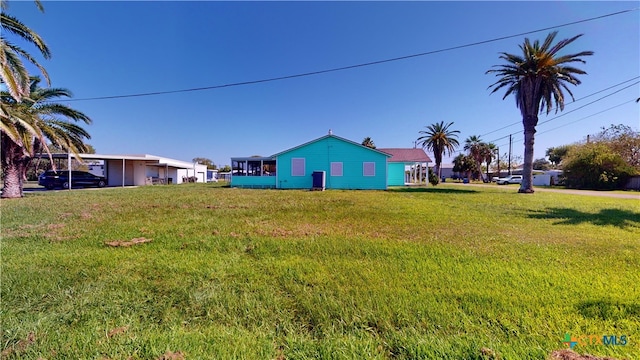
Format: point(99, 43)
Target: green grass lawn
point(443, 273)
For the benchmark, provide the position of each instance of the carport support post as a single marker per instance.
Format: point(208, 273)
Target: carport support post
point(123, 160)
point(69, 168)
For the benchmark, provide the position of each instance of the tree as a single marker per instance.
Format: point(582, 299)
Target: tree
point(541, 164)
point(225, 168)
point(537, 79)
point(490, 151)
point(477, 150)
point(32, 123)
point(464, 164)
point(622, 140)
point(205, 161)
point(439, 139)
point(12, 70)
point(596, 166)
point(556, 154)
point(368, 143)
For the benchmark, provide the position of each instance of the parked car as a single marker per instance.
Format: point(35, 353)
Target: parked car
point(511, 179)
point(53, 179)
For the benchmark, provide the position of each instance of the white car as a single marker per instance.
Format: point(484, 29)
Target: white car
point(511, 179)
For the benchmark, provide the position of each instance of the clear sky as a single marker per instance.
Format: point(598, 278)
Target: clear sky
point(118, 48)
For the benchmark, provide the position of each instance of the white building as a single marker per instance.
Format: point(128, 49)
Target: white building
point(135, 170)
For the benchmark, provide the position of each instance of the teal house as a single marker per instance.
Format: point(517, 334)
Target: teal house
point(329, 162)
point(406, 166)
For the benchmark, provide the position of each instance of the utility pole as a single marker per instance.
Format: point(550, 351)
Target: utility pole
point(509, 164)
point(498, 151)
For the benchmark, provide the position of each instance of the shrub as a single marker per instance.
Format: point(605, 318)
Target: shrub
point(433, 178)
point(596, 166)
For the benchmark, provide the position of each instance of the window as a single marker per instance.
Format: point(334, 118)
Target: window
point(336, 169)
point(254, 168)
point(368, 169)
point(238, 167)
point(297, 167)
point(269, 168)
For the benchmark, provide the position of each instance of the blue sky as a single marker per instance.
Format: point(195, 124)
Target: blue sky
point(118, 48)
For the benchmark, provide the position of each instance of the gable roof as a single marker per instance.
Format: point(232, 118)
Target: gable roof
point(335, 137)
point(406, 155)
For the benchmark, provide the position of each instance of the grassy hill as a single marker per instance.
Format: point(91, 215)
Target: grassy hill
point(443, 273)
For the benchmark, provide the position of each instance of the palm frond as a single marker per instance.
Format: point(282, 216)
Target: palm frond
point(16, 27)
point(30, 59)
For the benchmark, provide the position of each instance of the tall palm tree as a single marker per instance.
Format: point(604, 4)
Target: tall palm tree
point(12, 70)
point(439, 139)
point(537, 79)
point(477, 150)
point(30, 125)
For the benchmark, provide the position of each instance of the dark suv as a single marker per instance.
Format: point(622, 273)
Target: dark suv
point(52, 179)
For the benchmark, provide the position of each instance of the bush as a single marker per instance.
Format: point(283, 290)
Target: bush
point(596, 166)
point(433, 178)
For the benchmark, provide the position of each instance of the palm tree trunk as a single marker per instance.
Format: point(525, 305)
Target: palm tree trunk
point(437, 170)
point(527, 168)
point(488, 162)
point(13, 169)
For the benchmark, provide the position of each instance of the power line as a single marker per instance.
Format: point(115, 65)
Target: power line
point(568, 112)
point(581, 107)
point(578, 120)
point(586, 117)
point(352, 66)
point(572, 102)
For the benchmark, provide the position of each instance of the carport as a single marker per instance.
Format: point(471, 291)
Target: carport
point(137, 170)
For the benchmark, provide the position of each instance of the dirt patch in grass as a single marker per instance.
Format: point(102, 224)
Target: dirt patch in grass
point(117, 331)
point(170, 355)
point(134, 241)
point(572, 355)
point(49, 231)
point(302, 230)
point(19, 347)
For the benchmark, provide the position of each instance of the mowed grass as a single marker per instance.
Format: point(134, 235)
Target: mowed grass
point(450, 272)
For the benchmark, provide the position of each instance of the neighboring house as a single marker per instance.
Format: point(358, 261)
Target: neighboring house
point(446, 170)
point(212, 175)
point(132, 170)
point(406, 166)
point(346, 165)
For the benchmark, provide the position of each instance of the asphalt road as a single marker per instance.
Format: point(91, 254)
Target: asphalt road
point(631, 195)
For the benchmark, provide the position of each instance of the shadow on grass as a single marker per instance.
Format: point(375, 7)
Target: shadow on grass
point(608, 310)
point(616, 217)
point(432, 190)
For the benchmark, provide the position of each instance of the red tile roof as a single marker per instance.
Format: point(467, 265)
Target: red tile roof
point(406, 155)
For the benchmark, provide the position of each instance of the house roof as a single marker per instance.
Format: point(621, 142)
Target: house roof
point(406, 155)
point(334, 137)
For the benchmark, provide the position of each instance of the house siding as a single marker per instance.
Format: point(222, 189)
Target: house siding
point(396, 174)
point(254, 182)
point(320, 154)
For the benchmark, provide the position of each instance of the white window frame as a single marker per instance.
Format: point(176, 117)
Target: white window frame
point(337, 168)
point(364, 168)
point(295, 164)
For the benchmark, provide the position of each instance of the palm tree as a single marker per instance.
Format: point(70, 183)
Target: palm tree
point(489, 151)
point(537, 79)
point(368, 143)
point(12, 70)
point(439, 140)
point(30, 125)
point(476, 149)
